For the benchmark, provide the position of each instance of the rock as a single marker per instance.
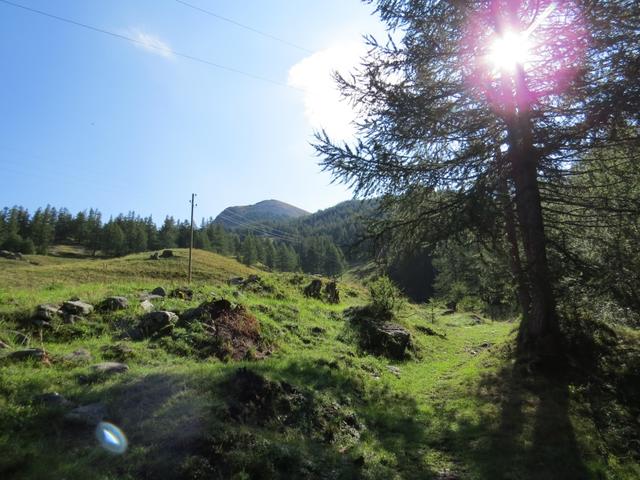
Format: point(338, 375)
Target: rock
point(11, 255)
point(109, 368)
point(331, 292)
point(167, 254)
point(390, 338)
point(78, 356)
point(154, 256)
point(159, 291)
point(314, 289)
point(190, 314)
point(393, 369)
point(89, 415)
point(76, 307)
point(40, 323)
point(28, 353)
point(53, 400)
point(46, 312)
point(157, 322)
point(183, 293)
point(111, 304)
point(147, 306)
point(149, 296)
point(235, 281)
point(71, 319)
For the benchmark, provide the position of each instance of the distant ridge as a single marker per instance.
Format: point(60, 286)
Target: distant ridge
point(265, 211)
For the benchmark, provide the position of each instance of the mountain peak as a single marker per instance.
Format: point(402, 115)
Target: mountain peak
point(266, 210)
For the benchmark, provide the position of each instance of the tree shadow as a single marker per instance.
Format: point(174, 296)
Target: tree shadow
point(532, 436)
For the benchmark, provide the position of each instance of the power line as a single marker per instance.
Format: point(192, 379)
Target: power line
point(148, 45)
point(246, 27)
point(258, 230)
point(265, 228)
point(262, 225)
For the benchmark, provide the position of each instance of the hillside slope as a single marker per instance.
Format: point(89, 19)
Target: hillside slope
point(308, 400)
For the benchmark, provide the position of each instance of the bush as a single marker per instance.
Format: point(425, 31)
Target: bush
point(471, 304)
point(28, 248)
point(386, 298)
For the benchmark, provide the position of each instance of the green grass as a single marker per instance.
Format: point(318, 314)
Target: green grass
point(458, 405)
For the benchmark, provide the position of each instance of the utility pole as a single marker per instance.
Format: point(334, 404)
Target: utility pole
point(193, 203)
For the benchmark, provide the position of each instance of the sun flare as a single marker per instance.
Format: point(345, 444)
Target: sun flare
point(509, 50)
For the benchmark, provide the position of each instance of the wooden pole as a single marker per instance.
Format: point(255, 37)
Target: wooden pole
point(193, 198)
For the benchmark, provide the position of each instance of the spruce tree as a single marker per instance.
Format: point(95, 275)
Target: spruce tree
point(451, 135)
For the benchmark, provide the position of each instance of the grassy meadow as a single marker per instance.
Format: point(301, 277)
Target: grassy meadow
point(458, 407)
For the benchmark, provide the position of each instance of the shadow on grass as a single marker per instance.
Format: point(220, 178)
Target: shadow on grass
point(179, 427)
point(534, 438)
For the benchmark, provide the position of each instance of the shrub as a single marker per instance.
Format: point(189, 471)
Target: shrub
point(386, 298)
point(471, 304)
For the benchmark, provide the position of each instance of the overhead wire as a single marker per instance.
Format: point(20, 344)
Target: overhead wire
point(246, 27)
point(148, 45)
point(245, 219)
point(256, 229)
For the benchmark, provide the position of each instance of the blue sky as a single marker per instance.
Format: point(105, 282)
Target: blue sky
point(94, 121)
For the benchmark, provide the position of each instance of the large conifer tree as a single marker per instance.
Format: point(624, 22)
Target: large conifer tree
point(473, 108)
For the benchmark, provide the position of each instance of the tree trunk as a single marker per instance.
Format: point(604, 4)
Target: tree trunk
point(539, 332)
point(524, 297)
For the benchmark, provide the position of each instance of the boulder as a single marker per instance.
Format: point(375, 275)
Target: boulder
point(71, 319)
point(379, 336)
point(147, 306)
point(389, 339)
point(80, 355)
point(161, 292)
point(11, 255)
point(183, 293)
point(331, 292)
point(111, 304)
point(53, 400)
point(157, 322)
point(27, 354)
point(109, 368)
point(88, 415)
point(149, 296)
point(76, 307)
point(46, 312)
point(314, 289)
point(167, 254)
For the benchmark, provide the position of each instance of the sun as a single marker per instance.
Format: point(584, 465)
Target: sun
point(509, 50)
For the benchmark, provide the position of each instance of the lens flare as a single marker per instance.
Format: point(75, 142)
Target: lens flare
point(111, 438)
